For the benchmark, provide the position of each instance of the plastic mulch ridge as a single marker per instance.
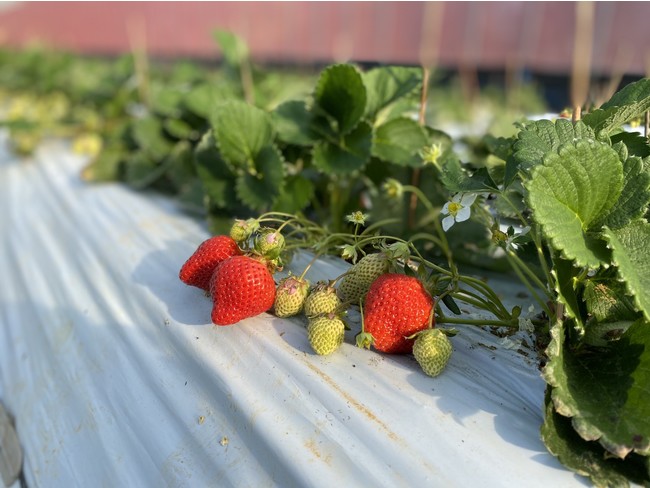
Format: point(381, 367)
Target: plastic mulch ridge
point(115, 376)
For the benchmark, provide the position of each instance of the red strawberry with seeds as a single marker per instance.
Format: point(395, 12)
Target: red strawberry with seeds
point(397, 306)
point(198, 269)
point(241, 287)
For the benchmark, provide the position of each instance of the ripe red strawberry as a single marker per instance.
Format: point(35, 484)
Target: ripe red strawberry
point(198, 269)
point(241, 287)
point(397, 306)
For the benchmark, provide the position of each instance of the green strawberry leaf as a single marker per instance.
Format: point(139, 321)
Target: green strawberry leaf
point(166, 100)
point(141, 170)
point(636, 144)
point(387, 84)
point(628, 103)
point(106, 166)
point(341, 94)
point(259, 190)
point(635, 92)
point(588, 458)
point(178, 128)
point(456, 179)
point(292, 120)
point(633, 202)
point(605, 390)
point(180, 164)
point(202, 99)
point(630, 247)
point(217, 177)
point(571, 192)
point(241, 131)
point(605, 121)
point(148, 135)
point(399, 141)
point(539, 138)
point(296, 194)
point(351, 154)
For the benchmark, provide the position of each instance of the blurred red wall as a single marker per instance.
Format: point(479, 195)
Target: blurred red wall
point(487, 35)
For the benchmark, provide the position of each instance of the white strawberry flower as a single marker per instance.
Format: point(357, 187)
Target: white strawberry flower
point(457, 210)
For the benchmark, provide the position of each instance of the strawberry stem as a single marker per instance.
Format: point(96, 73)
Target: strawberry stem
point(364, 340)
point(309, 265)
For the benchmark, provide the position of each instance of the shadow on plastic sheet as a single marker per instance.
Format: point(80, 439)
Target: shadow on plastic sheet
point(467, 387)
point(293, 331)
point(158, 271)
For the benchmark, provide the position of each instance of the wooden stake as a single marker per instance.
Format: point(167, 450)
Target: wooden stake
point(429, 47)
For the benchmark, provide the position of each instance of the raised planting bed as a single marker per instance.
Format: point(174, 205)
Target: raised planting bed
point(116, 375)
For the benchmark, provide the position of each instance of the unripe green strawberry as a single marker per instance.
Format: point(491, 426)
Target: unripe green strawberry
point(432, 350)
point(241, 230)
point(290, 296)
point(269, 243)
point(325, 334)
point(321, 300)
point(356, 283)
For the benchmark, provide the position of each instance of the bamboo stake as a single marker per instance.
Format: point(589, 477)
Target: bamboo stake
point(583, 40)
point(136, 31)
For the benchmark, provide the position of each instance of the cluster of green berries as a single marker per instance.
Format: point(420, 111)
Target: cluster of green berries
point(397, 310)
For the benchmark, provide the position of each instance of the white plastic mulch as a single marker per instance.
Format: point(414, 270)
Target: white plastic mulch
point(117, 377)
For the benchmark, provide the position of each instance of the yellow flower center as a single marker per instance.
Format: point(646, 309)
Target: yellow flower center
point(454, 208)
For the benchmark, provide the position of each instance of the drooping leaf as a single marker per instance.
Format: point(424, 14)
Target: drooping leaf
point(233, 48)
point(634, 198)
point(539, 138)
point(574, 189)
point(292, 121)
point(260, 190)
point(588, 458)
point(148, 135)
point(564, 273)
point(636, 144)
point(399, 141)
point(630, 247)
point(387, 84)
point(241, 131)
point(296, 194)
point(457, 179)
point(605, 390)
point(606, 301)
point(351, 154)
point(341, 94)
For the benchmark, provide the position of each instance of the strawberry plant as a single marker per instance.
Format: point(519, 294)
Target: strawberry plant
point(561, 205)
